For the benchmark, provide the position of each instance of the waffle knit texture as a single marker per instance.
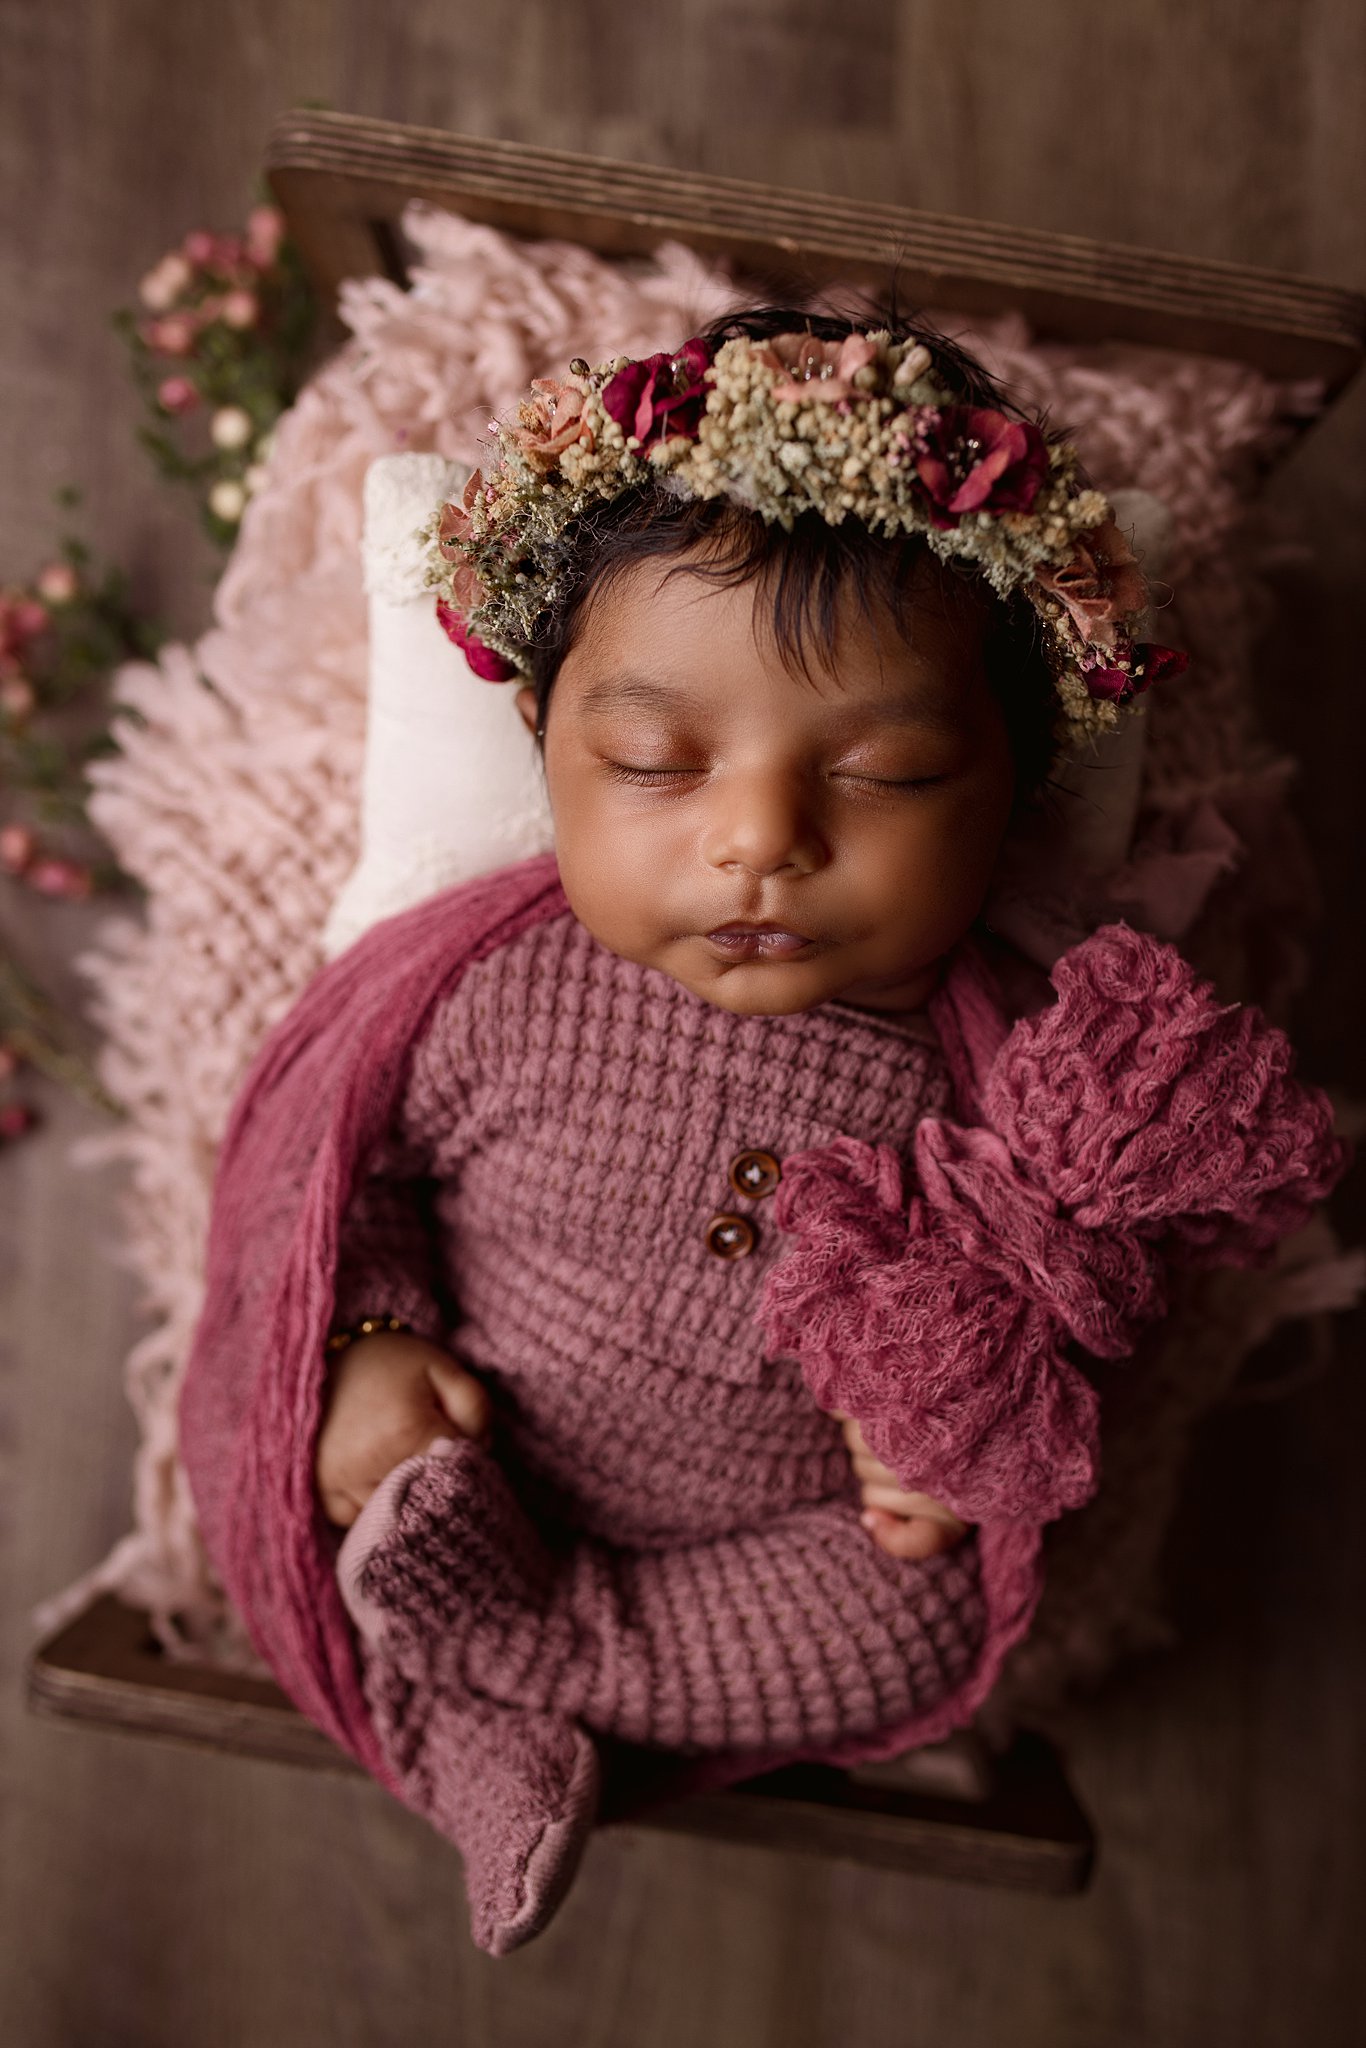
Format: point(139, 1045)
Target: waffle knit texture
point(937, 1277)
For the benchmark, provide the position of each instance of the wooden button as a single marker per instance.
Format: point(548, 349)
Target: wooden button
point(730, 1237)
point(754, 1173)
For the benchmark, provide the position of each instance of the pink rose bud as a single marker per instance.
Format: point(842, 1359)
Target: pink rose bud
point(173, 336)
point(17, 698)
point(55, 877)
point(265, 232)
point(9, 1063)
point(58, 583)
point(240, 309)
point(177, 395)
point(17, 848)
point(15, 1119)
point(27, 618)
point(199, 246)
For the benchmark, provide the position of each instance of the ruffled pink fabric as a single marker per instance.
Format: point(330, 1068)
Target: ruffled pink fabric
point(1136, 1122)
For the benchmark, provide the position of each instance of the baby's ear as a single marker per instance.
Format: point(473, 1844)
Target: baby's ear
point(526, 704)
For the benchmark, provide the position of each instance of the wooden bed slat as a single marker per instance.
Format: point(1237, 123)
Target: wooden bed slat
point(343, 181)
point(1012, 1821)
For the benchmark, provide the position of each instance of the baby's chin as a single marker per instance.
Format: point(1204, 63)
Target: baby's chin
point(765, 992)
point(752, 988)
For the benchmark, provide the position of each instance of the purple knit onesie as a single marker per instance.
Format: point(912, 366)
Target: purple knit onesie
point(686, 1566)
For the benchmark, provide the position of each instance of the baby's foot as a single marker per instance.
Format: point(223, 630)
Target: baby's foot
point(517, 1792)
point(514, 1788)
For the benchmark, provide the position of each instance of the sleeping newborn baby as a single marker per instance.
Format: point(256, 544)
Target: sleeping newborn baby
point(643, 1181)
point(753, 912)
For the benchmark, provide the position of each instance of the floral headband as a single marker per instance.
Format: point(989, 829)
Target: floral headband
point(863, 428)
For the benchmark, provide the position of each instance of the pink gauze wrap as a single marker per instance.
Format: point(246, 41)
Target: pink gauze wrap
point(1134, 1123)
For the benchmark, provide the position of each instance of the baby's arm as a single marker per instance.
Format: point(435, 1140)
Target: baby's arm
point(392, 1393)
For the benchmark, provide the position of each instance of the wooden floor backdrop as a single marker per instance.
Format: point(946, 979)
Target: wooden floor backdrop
point(155, 1898)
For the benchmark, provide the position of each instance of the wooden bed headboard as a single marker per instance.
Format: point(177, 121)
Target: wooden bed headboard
point(343, 181)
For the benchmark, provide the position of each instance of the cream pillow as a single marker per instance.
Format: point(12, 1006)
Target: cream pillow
point(452, 786)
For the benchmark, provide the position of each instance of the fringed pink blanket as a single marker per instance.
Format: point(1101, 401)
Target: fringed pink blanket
point(1133, 1125)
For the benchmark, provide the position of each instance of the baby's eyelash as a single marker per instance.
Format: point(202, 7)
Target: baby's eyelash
point(912, 782)
point(626, 774)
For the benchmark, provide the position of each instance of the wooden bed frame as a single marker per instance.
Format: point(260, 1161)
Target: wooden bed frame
point(343, 182)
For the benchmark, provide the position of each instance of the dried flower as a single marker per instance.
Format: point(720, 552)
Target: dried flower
point(231, 427)
point(15, 1119)
point(53, 876)
point(177, 395)
point(174, 336)
point(227, 500)
point(17, 697)
point(977, 460)
point(17, 848)
point(660, 396)
point(265, 232)
point(58, 583)
point(482, 660)
point(164, 282)
point(817, 369)
point(549, 420)
point(240, 309)
point(1100, 586)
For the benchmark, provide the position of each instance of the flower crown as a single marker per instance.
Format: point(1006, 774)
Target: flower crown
point(865, 428)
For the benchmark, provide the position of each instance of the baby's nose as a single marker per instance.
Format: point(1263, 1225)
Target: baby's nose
point(764, 824)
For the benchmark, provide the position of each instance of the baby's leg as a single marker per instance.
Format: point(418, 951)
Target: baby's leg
point(794, 1634)
point(515, 1789)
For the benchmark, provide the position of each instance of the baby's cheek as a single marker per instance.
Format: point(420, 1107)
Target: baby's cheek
point(600, 873)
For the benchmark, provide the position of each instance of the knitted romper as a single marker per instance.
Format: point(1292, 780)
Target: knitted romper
point(664, 1542)
point(483, 1121)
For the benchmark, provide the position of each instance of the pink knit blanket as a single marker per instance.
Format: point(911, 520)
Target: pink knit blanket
point(1134, 1125)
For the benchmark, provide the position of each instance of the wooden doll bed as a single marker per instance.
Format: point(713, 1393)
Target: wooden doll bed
point(343, 183)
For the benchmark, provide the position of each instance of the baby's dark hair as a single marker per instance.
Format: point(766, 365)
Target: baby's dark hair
point(809, 570)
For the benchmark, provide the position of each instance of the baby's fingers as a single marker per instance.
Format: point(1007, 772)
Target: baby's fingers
point(340, 1507)
point(916, 1536)
point(464, 1399)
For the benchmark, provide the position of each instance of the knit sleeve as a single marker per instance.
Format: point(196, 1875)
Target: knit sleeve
point(388, 1252)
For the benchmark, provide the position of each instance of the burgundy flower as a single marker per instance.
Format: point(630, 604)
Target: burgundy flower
point(1151, 663)
point(975, 460)
point(482, 660)
point(660, 396)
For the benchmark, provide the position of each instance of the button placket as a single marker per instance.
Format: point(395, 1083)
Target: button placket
point(752, 1174)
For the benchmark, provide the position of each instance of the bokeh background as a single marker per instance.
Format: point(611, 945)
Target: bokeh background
point(153, 1896)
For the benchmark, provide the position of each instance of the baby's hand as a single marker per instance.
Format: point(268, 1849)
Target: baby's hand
point(389, 1395)
point(903, 1524)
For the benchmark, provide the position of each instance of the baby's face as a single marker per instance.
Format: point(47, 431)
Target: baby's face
point(694, 781)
